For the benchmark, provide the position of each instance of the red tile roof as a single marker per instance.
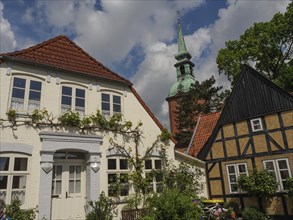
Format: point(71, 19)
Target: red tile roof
point(204, 130)
point(62, 53)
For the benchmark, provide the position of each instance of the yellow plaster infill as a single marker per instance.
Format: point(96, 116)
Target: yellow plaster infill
point(287, 118)
point(289, 135)
point(228, 130)
point(217, 150)
point(272, 121)
point(242, 128)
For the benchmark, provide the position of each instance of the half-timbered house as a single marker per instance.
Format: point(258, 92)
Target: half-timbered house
point(254, 130)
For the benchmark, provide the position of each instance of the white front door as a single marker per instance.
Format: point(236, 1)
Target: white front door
point(68, 190)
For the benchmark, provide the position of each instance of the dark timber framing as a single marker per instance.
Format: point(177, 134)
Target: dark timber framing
point(253, 96)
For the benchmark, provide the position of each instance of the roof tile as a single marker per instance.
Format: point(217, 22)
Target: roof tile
point(61, 52)
point(204, 130)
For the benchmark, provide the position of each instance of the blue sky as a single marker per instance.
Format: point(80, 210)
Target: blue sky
point(137, 38)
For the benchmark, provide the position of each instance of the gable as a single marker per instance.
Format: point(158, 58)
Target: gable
point(63, 54)
point(254, 95)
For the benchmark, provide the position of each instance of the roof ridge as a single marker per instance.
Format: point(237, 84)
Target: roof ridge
point(93, 59)
point(63, 39)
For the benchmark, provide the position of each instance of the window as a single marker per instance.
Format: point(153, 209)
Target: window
point(13, 178)
point(26, 94)
point(111, 104)
point(118, 181)
point(280, 169)
point(234, 172)
point(73, 99)
point(256, 124)
point(155, 178)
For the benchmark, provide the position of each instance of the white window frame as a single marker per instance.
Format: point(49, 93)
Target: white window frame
point(237, 174)
point(154, 185)
point(10, 173)
point(277, 170)
point(118, 171)
point(253, 124)
point(111, 103)
point(26, 101)
point(73, 107)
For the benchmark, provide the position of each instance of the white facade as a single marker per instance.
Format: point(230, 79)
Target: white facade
point(35, 148)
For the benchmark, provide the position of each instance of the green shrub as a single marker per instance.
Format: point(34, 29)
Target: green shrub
point(15, 212)
point(253, 214)
point(173, 204)
point(101, 209)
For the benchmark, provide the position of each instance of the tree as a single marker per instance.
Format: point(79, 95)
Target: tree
point(180, 187)
point(254, 185)
point(203, 97)
point(268, 45)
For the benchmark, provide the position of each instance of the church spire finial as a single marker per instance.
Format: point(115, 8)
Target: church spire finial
point(182, 51)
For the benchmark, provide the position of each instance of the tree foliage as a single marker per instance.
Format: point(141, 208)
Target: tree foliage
point(268, 45)
point(180, 186)
point(15, 212)
point(104, 208)
point(203, 97)
point(254, 184)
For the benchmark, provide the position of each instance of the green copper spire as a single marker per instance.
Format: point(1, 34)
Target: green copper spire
point(184, 67)
point(182, 52)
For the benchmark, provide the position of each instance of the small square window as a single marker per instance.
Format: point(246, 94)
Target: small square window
point(158, 164)
point(123, 164)
point(111, 164)
point(148, 164)
point(256, 124)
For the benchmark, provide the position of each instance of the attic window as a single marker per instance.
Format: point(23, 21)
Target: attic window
point(256, 124)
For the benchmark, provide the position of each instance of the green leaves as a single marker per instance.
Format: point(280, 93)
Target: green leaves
point(267, 44)
point(253, 184)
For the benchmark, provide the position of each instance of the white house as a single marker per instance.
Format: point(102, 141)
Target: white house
point(60, 170)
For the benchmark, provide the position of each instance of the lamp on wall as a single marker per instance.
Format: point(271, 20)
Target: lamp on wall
point(98, 88)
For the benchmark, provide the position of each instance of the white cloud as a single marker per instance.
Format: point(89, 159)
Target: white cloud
point(7, 39)
point(153, 80)
point(111, 33)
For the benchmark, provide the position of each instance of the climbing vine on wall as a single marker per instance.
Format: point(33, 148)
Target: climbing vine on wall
point(131, 134)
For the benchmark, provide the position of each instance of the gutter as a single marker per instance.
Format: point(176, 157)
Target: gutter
point(189, 157)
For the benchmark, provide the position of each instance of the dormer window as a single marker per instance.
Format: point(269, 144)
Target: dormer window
point(256, 124)
point(26, 94)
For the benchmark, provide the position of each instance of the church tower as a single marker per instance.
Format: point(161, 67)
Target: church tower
point(185, 78)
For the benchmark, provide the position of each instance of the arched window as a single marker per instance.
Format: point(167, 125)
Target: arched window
point(111, 103)
point(26, 93)
point(73, 98)
point(182, 70)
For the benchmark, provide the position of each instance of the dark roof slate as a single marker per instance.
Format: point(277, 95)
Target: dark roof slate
point(254, 95)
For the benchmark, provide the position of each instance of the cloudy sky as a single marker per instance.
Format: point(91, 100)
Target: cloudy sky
point(137, 38)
